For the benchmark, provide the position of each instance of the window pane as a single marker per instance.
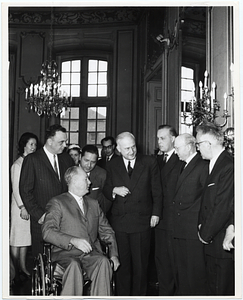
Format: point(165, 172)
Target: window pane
point(75, 112)
point(92, 78)
point(102, 78)
point(66, 66)
point(74, 125)
point(65, 89)
point(186, 84)
point(92, 113)
point(75, 90)
point(101, 125)
point(100, 136)
point(65, 124)
point(76, 66)
point(92, 91)
point(101, 113)
point(186, 72)
point(91, 138)
point(75, 78)
point(186, 95)
point(102, 90)
point(65, 78)
point(93, 65)
point(103, 65)
point(91, 125)
point(73, 138)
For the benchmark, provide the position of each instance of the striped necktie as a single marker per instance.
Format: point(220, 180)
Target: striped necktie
point(55, 166)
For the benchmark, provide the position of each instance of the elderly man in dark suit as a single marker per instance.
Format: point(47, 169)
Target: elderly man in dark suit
point(42, 178)
point(97, 176)
point(170, 166)
point(216, 210)
point(188, 250)
point(108, 151)
point(133, 184)
point(73, 224)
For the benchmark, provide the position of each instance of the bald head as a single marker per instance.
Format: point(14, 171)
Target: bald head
point(185, 145)
point(126, 145)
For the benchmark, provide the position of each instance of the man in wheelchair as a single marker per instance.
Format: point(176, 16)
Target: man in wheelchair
point(74, 223)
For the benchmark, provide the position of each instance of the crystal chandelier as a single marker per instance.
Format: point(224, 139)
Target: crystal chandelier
point(206, 107)
point(47, 96)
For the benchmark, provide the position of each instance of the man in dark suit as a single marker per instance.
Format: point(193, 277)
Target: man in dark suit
point(170, 166)
point(97, 176)
point(108, 151)
point(72, 224)
point(188, 250)
point(41, 178)
point(133, 184)
point(216, 210)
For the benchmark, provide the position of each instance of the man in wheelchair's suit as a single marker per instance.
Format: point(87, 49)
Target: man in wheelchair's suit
point(74, 229)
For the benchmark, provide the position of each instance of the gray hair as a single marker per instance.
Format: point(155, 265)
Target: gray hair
point(70, 173)
point(124, 135)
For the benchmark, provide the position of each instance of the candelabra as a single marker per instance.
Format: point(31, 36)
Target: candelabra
point(206, 107)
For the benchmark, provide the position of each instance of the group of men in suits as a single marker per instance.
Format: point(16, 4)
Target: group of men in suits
point(198, 205)
point(142, 193)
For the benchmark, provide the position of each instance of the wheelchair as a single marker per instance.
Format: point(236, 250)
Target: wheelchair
point(47, 276)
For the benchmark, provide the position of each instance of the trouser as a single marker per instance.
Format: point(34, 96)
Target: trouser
point(190, 267)
point(131, 276)
point(164, 260)
point(98, 269)
point(220, 275)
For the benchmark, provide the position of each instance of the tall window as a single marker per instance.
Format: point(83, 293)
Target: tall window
point(86, 81)
point(187, 93)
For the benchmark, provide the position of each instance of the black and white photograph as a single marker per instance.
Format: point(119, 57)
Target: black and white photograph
point(121, 161)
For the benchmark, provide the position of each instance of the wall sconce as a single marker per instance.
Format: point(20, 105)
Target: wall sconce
point(172, 39)
point(205, 108)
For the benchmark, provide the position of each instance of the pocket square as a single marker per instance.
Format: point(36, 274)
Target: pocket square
point(210, 184)
point(95, 188)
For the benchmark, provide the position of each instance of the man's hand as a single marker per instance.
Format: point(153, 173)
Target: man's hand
point(81, 244)
point(24, 214)
point(229, 236)
point(116, 262)
point(121, 191)
point(154, 221)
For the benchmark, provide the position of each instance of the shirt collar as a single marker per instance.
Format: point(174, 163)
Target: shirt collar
point(190, 158)
point(169, 153)
point(132, 162)
point(213, 160)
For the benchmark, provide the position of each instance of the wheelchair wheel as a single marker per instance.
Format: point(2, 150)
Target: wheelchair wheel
point(38, 277)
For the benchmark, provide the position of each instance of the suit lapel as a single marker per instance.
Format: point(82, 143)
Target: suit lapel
point(187, 170)
point(169, 165)
point(138, 170)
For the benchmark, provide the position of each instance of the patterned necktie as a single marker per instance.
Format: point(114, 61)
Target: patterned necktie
point(81, 204)
point(129, 168)
point(55, 165)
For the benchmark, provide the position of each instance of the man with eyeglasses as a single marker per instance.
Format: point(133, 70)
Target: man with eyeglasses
point(217, 208)
point(188, 250)
point(108, 151)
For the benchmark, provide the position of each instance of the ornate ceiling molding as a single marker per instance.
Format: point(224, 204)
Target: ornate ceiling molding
point(75, 17)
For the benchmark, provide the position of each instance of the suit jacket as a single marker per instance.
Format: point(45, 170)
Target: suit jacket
point(133, 213)
point(39, 182)
point(217, 204)
point(97, 177)
point(64, 220)
point(170, 172)
point(187, 198)
point(102, 162)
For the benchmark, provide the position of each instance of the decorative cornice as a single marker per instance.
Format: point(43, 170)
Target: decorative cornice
point(75, 17)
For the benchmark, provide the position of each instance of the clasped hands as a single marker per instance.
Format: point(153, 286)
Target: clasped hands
point(85, 247)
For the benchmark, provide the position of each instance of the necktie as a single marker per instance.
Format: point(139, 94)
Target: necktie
point(165, 157)
point(81, 204)
point(183, 166)
point(129, 168)
point(55, 166)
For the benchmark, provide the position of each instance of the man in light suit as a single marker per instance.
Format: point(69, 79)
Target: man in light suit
point(97, 176)
point(170, 166)
point(108, 151)
point(133, 184)
point(42, 178)
point(188, 250)
point(217, 209)
point(72, 224)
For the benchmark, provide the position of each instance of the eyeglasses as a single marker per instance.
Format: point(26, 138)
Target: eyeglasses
point(198, 144)
point(107, 147)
